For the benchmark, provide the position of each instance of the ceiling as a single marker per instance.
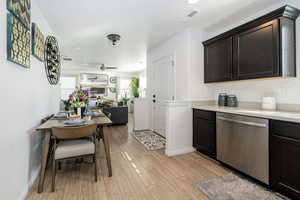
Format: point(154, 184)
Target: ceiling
point(82, 26)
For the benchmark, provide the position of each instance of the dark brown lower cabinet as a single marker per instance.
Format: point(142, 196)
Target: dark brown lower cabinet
point(285, 158)
point(204, 132)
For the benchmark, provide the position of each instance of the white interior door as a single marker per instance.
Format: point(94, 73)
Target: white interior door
point(163, 90)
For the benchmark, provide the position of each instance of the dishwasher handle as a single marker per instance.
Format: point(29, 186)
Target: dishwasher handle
point(243, 122)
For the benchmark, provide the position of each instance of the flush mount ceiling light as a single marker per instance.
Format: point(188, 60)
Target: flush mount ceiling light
point(114, 38)
point(192, 1)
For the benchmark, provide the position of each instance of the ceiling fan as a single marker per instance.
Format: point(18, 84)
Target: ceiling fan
point(66, 58)
point(103, 67)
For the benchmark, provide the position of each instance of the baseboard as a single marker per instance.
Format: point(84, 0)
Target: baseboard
point(179, 151)
point(141, 130)
point(24, 193)
point(32, 180)
point(34, 176)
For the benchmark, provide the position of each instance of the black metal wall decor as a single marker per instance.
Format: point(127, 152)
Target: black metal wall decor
point(52, 60)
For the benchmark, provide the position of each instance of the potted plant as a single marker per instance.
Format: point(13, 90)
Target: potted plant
point(134, 85)
point(79, 100)
point(125, 100)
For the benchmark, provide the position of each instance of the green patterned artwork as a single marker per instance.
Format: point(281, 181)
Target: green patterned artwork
point(20, 9)
point(18, 42)
point(38, 42)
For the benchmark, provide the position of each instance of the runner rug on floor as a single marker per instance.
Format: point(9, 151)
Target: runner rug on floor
point(235, 187)
point(150, 140)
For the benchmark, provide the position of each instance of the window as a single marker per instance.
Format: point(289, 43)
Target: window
point(143, 85)
point(67, 86)
point(124, 88)
point(124, 84)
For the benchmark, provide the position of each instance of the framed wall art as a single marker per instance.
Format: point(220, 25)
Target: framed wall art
point(21, 10)
point(93, 79)
point(18, 42)
point(38, 42)
point(113, 79)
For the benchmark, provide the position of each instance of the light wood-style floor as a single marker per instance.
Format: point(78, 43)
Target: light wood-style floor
point(138, 174)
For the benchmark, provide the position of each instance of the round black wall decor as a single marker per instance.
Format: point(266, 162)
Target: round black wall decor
point(52, 60)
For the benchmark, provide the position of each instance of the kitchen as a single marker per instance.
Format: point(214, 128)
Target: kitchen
point(262, 143)
point(249, 70)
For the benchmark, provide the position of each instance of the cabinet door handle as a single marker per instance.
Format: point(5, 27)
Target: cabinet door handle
point(154, 100)
point(242, 122)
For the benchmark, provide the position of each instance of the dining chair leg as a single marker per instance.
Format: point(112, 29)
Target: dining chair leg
point(53, 175)
point(96, 168)
point(49, 157)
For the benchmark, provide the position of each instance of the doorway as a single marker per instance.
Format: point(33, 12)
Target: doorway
point(163, 89)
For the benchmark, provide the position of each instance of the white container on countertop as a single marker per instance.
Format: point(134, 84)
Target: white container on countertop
point(268, 103)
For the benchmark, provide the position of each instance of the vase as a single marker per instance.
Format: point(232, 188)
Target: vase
point(82, 111)
point(77, 110)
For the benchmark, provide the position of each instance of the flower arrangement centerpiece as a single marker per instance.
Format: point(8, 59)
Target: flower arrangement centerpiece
point(79, 99)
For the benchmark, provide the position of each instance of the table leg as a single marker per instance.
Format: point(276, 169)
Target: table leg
point(45, 152)
point(100, 132)
point(107, 149)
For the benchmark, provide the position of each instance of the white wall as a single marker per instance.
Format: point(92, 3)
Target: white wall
point(26, 97)
point(187, 49)
point(197, 89)
point(67, 86)
point(143, 83)
point(179, 132)
point(178, 46)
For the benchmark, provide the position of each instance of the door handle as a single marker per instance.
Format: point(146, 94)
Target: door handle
point(243, 122)
point(154, 96)
point(154, 100)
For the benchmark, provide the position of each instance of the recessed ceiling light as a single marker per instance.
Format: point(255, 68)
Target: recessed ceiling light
point(192, 1)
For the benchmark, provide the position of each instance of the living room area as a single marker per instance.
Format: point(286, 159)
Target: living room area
point(115, 93)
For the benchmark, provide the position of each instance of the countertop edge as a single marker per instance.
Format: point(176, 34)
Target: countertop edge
point(243, 111)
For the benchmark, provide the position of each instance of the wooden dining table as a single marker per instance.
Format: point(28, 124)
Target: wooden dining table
point(46, 128)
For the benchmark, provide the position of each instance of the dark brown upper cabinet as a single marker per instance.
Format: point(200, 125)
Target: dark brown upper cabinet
point(256, 52)
point(261, 48)
point(219, 68)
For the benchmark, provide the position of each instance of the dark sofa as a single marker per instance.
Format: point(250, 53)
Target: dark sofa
point(119, 114)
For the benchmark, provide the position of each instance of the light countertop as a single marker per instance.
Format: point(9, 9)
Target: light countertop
point(276, 115)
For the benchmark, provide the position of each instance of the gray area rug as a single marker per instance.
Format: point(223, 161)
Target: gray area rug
point(150, 140)
point(234, 187)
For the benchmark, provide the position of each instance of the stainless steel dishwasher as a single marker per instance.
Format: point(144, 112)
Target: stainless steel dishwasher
point(243, 143)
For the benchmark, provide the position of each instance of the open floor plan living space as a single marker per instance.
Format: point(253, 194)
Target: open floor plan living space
point(150, 100)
